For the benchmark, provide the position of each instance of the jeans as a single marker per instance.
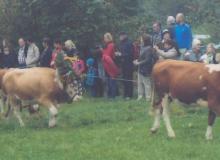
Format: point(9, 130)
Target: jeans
point(144, 86)
point(112, 87)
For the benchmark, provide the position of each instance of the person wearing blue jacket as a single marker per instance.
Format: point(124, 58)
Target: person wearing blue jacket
point(183, 34)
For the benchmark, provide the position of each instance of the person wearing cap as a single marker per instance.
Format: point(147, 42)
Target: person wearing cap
point(168, 48)
point(195, 54)
point(183, 34)
point(171, 22)
point(91, 77)
point(127, 52)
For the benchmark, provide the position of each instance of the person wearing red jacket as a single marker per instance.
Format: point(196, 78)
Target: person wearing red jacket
point(111, 69)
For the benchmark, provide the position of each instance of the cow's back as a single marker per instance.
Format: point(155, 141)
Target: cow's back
point(186, 81)
point(29, 83)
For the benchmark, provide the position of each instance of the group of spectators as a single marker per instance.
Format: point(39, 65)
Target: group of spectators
point(109, 64)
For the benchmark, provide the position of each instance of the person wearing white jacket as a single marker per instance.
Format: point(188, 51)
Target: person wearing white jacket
point(33, 54)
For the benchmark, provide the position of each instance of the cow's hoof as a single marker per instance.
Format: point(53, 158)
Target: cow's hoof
point(171, 135)
point(52, 123)
point(153, 130)
point(209, 137)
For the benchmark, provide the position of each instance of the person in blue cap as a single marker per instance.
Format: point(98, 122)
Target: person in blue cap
point(91, 76)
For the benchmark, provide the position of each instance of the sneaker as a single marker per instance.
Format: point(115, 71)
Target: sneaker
point(139, 98)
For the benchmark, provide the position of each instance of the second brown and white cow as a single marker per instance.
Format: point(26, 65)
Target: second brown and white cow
point(37, 86)
point(189, 83)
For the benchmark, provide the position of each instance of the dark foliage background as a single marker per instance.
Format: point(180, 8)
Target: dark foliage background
point(85, 21)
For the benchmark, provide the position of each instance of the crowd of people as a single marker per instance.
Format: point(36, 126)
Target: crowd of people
point(110, 64)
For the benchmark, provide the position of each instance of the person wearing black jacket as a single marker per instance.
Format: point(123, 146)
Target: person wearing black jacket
point(145, 64)
point(127, 53)
point(46, 55)
point(9, 59)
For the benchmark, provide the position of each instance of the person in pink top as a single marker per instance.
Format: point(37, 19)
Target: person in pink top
point(111, 69)
point(58, 49)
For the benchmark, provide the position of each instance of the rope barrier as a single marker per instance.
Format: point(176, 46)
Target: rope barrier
point(117, 79)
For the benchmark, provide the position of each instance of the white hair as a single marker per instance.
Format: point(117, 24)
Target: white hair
point(195, 43)
point(170, 20)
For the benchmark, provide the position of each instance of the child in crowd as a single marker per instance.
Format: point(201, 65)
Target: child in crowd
point(208, 57)
point(91, 76)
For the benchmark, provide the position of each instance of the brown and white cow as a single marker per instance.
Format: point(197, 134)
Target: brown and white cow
point(189, 83)
point(36, 86)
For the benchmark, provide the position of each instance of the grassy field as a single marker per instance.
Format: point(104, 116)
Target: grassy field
point(98, 129)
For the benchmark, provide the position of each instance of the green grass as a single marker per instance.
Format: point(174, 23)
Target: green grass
point(108, 130)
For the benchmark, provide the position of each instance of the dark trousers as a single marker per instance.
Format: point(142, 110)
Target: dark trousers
point(127, 74)
point(112, 87)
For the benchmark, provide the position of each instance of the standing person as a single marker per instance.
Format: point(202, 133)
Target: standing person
point(157, 33)
point(33, 54)
point(58, 49)
point(46, 55)
point(111, 70)
point(183, 34)
point(168, 52)
point(209, 56)
point(171, 22)
point(71, 49)
point(22, 53)
point(168, 48)
point(91, 77)
point(9, 59)
point(145, 65)
point(195, 54)
point(127, 53)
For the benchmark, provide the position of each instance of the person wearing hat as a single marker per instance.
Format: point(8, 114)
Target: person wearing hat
point(168, 48)
point(91, 76)
point(126, 49)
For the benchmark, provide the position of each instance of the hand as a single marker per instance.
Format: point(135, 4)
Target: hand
point(135, 62)
point(156, 48)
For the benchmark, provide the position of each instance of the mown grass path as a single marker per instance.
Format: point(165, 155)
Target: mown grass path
point(98, 129)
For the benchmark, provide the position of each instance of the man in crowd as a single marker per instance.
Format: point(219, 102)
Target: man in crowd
point(22, 53)
point(171, 23)
point(183, 34)
point(33, 54)
point(127, 52)
point(157, 33)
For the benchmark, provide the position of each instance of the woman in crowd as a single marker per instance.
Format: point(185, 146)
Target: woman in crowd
point(209, 56)
point(111, 70)
point(58, 49)
point(46, 55)
point(71, 49)
point(9, 59)
point(168, 51)
point(144, 63)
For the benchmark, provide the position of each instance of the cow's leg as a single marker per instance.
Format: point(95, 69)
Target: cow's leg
point(156, 124)
point(53, 113)
point(211, 121)
point(17, 115)
point(2, 104)
point(166, 117)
